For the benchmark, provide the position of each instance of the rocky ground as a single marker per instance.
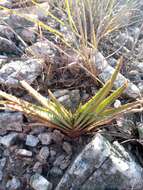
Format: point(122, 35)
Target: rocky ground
point(34, 157)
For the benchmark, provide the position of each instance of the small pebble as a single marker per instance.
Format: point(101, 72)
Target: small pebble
point(43, 154)
point(2, 163)
point(38, 182)
point(13, 184)
point(1, 175)
point(9, 139)
point(60, 93)
point(24, 152)
point(140, 130)
point(37, 130)
point(62, 161)
point(117, 104)
point(6, 152)
point(67, 147)
point(45, 138)
point(52, 153)
point(37, 167)
point(134, 76)
point(140, 86)
point(57, 136)
point(32, 141)
point(59, 160)
point(56, 172)
point(65, 100)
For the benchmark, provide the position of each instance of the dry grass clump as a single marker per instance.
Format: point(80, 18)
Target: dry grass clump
point(87, 21)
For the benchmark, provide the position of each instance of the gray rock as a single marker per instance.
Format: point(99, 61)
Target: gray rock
point(28, 35)
point(59, 93)
point(131, 91)
point(140, 130)
point(139, 50)
point(6, 32)
point(140, 86)
point(9, 139)
point(45, 138)
point(16, 21)
point(56, 172)
point(112, 61)
point(59, 159)
point(32, 141)
point(67, 147)
point(135, 32)
point(38, 130)
point(138, 66)
point(75, 99)
point(11, 121)
point(7, 46)
point(101, 165)
point(6, 152)
point(70, 99)
point(24, 152)
point(39, 182)
point(127, 40)
point(6, 3)
point(106, 71)
point(2, 163)
point(125, 122)
point(57, 136)
point(37, 168)
point(66, 101)
point(62, 161)
point(94, 90)
point(41, 49)
point(119, 171)
point(31, 10)
point(85, 97)
point(11, 73)
point(69, 36)
point(43, 154)
point(41, 1)
point(141, 32)
point(84, 165)
point(52, 154)
point(134, 76)
point(3, 60)
point(27, 6)
point(1, 175)
point(13, 184)
point(117, 103)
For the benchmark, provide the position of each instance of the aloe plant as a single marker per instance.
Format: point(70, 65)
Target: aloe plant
point(88, 117)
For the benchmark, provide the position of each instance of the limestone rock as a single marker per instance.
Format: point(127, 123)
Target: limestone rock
point(8, 47)
point(11, 73)
point(39, 182)
point(32, 141)
point(43, 154)
point(13, 184)
point(24, 152)
point(101, 165)
point(9, 139)
point(41, 49)
point(45, 138)
point(11, 121)
point(105, 71)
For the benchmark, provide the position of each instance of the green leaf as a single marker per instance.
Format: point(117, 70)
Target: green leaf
point(110, 99)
